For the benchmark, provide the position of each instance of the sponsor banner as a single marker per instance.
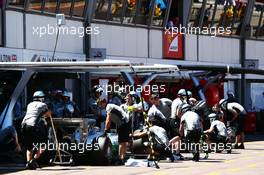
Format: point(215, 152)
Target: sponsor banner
point(98, 53)
point(25, 55)
point(45, 56)
point(173, 46)
point(252, 63)
point(10, 55)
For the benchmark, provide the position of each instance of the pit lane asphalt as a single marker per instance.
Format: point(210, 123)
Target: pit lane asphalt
point(243, 162)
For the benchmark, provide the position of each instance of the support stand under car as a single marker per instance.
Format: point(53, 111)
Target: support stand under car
point(62, 157)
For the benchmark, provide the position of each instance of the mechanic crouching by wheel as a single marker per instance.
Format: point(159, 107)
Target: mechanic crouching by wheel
point(191, 129)
point(164, 146)
point(161, 144)
point(235, 114)
point(34, 129)
point(217, 133)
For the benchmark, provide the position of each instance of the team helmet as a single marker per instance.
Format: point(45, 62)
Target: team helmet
point(189, 93)
point(38, 94)
point(222, 103)
point(182, 92)
point(66, 94)
point(186, 107)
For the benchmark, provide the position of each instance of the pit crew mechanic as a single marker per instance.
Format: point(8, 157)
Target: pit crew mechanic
point(235, 114)
point(191, 129)
point(121, 116)
point(34, 128)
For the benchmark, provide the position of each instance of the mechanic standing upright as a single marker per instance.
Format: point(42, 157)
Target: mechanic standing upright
point(174, 121)
point(163, 105)
point(175, 112)
point(121, 116)
point(34, 128)
point(92, 104)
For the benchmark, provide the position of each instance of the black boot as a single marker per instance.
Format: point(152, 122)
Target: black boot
point(241, 146)
point(32, 165)
point(196, 157)
point(29, 166)
point(120, 162)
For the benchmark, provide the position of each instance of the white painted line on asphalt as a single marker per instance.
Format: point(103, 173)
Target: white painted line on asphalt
point(253, 165)
point(234, 170)
point(160, 173)
point(229, 161)
point(214, 173)
point(246, 158)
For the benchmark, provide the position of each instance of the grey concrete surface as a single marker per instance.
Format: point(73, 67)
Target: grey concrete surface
point(243, 162)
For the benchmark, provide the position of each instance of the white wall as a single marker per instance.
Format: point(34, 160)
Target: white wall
point(127, 41)
point(15, 33)
point(209, 49)
point(190, 47)
point(14, 29)
point(68, 41)
point(255, 50)
point(219, 49)
point(156, 47)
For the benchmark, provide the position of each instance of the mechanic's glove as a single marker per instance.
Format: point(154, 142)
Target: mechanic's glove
point(204, 137)
point(130, 108)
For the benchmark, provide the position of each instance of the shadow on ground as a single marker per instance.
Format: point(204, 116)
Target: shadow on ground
point(254, 137)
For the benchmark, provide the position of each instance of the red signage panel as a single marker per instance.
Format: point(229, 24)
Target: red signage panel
point(173, 46)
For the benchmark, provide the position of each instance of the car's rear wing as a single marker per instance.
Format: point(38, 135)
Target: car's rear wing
point(109, 66)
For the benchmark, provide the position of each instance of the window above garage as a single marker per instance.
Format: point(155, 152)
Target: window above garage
point(145, 13)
